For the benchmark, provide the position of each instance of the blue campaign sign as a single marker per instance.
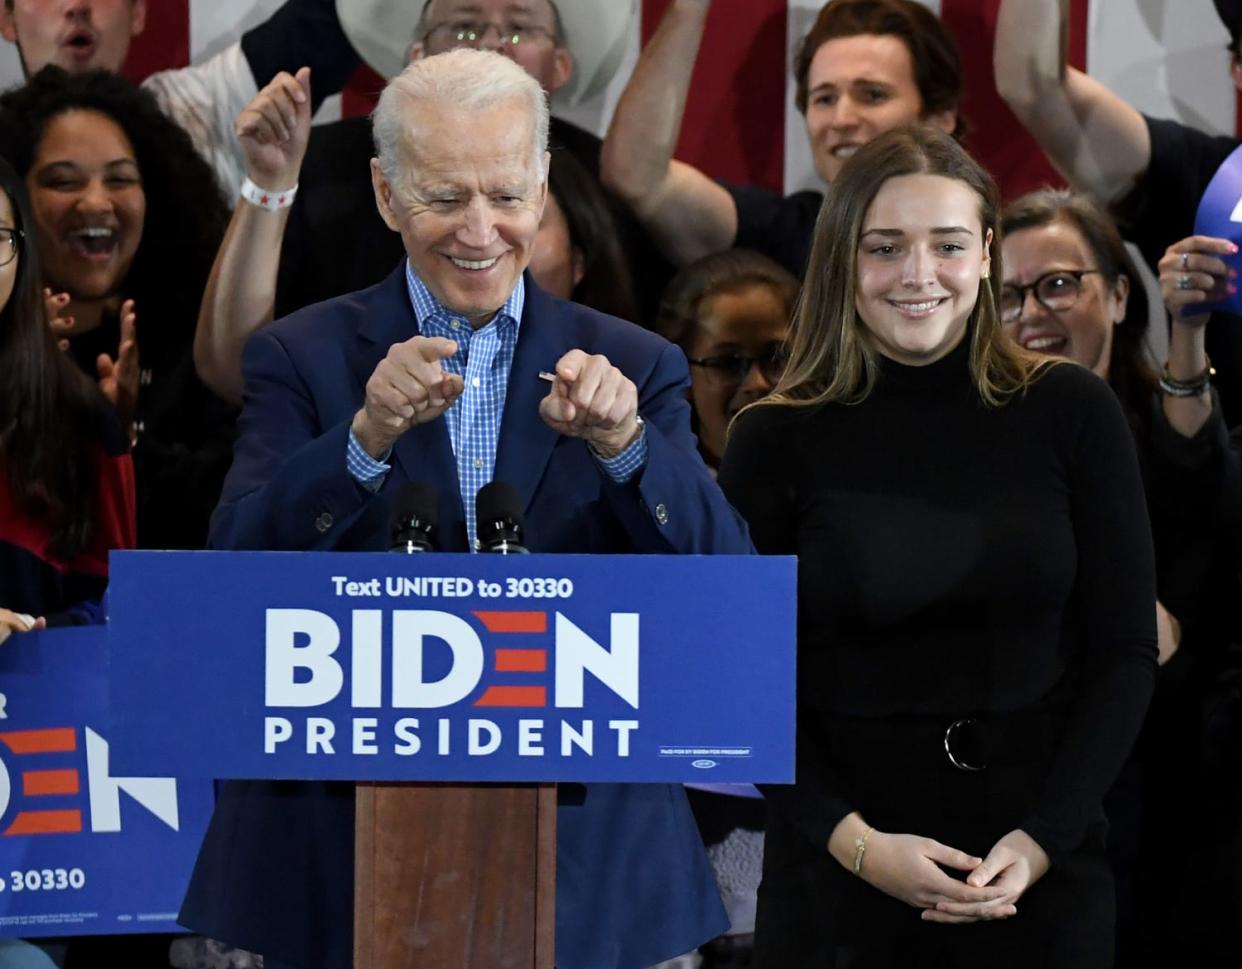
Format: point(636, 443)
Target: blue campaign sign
point(84, 849)
point(436, 667)
point(1220, 216)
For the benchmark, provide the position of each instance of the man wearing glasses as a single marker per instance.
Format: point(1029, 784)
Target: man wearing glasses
point(529, 32)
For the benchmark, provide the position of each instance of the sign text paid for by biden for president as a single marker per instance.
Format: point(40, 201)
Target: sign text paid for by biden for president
point(372, 666)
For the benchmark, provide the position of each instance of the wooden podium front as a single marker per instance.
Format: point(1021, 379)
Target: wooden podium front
point(452, 876)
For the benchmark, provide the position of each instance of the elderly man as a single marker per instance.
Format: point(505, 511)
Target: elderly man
point(278, 259)
point(82, 35)
point(433, 375)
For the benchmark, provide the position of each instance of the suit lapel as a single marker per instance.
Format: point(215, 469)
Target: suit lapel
point(526, 441)
point(424, 453)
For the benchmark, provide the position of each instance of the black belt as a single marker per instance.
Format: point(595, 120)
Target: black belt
point(972, 742)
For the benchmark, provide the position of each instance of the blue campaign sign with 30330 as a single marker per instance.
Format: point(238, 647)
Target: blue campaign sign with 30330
point(84, 849)
point(437, 667)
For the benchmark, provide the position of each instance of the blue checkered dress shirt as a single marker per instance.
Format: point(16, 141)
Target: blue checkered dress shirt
point(483, 360)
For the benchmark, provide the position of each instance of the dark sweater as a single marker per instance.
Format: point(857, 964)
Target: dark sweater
point(956, 559)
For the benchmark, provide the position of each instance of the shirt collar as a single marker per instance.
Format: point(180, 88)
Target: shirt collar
point(427, 306)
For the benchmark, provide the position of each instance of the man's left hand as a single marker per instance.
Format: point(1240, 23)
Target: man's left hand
point(593, 400)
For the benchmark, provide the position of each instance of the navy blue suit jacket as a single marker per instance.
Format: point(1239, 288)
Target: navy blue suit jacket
point(275, 873)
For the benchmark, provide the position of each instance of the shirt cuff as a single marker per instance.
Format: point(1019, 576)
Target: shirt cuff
point(628, 463)
point(363, 468)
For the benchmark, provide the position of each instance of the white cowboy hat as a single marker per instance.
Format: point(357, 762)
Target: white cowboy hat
point(597, 33)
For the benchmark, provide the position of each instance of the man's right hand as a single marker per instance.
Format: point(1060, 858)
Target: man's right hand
point(274, 128)
point(407, 388)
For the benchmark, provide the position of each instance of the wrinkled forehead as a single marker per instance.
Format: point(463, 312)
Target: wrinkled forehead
point(441, 137)
point(537, 11)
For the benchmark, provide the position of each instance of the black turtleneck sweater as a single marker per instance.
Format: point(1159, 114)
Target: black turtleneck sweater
point(957, 559)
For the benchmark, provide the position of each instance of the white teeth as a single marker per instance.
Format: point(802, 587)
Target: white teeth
point(1041, 343)
point(845, 151)
point(474, 264)
point(93, 232)
point(918, 307)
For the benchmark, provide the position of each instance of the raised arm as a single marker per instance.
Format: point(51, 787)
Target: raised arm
point(1093, 137)
point(206, 98)
point(241, 290)
point(688, 214)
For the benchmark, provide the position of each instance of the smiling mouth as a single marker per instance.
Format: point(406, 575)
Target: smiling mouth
point(1054, 345)
point(94, 242)
point(918, 308)
point(474, 265)
point(845, 151)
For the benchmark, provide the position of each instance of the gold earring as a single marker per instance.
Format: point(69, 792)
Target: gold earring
point(986, 274)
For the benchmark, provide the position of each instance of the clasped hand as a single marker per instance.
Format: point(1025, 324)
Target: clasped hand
point(590, 398)
point(908, 867)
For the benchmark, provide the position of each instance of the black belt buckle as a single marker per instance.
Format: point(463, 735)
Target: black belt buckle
point(964, 743)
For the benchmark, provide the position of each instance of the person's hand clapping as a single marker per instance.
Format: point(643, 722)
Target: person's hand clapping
point(593, 400)
point(1014, 864)
point(60, 324)
point(118, 377)
point(408, 387)
point(274, 128)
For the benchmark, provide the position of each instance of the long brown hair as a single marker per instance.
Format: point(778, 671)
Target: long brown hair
point(831, 356)
point(51, 415)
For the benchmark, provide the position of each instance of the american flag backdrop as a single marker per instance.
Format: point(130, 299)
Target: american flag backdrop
point(1167, 57)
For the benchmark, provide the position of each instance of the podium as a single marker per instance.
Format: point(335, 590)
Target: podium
point(456, 691)
point(494, 846)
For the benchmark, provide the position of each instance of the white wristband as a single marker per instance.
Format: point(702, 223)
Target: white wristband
point(265, 199)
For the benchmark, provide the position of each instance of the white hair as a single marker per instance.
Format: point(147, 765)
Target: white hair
point(459, 79)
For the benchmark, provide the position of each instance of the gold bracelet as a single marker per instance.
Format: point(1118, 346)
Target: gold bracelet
point(860, 849)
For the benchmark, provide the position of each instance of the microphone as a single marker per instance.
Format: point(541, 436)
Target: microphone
point(501, 524)
point(416, 512)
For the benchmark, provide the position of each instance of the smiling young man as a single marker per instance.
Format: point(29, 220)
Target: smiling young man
point(433, 376)
point(865, 66)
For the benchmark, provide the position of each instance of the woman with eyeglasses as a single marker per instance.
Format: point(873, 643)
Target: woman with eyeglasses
point(976, 644)
point(66, 480)
point(729, 313)
point(1071, 290)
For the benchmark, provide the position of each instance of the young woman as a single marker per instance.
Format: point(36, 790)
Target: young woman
point(973, 665)
point(66, 480)
point(129, 217)
point(1071, 290)
point(729, 313)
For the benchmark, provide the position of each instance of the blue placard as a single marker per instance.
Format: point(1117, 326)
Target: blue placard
point(365, 666)
point(85, 849)
point(1220, 216)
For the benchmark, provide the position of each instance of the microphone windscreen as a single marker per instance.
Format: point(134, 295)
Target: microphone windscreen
point(416, 501)
point(496, 502)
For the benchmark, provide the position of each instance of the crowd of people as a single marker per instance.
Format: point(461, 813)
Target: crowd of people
point(1019, 535)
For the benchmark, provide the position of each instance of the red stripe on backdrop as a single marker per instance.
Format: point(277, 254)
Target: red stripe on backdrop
point(996, 137)
point(164, 43)
point(734, 126)
point(361, 93)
